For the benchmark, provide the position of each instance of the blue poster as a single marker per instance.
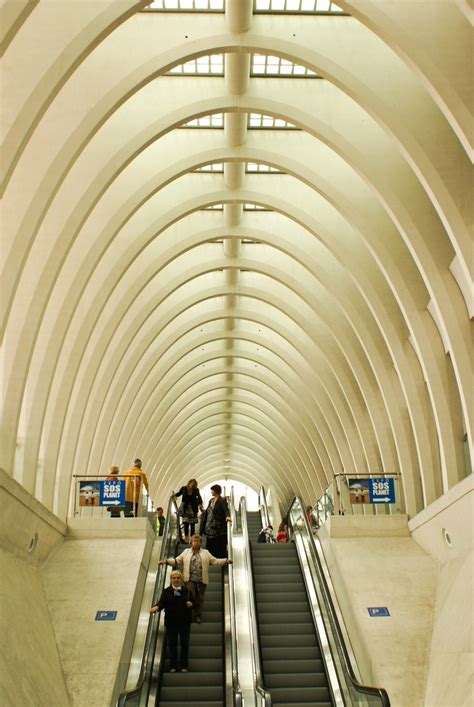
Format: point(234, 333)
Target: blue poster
point(382, 490)
point(106, 616)
point(112, 492)
point(378, 611)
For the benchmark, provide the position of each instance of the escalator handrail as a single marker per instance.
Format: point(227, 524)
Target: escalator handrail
point(154, 619)
point(264, 510)
point(259, 684)
point(236, 691)
point(379, 692)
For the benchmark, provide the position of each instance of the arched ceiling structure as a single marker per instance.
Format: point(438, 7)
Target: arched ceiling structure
point(276, 295)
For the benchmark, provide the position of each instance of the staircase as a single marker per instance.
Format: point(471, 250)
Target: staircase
point(203, 685)
point(293, 669)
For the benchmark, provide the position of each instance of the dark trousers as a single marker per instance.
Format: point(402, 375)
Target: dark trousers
point(190, 527)
point(172, 633)
point(131, 509)
point(198, 589)
point(217, 545)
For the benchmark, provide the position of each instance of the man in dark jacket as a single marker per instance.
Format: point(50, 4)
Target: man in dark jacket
point(176, 600)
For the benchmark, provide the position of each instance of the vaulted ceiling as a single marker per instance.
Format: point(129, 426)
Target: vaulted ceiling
point(236, 243)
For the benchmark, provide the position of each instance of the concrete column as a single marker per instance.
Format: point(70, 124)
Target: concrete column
point(238, 15)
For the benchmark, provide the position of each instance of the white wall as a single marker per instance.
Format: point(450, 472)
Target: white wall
point(374, 562)
point(450, 681)
point(30, 669)
point(97, 568)
point(54, 653)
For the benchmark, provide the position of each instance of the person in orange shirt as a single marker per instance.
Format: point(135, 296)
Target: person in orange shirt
point(133, 488)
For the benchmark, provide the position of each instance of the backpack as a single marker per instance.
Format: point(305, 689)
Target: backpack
point(265, 536)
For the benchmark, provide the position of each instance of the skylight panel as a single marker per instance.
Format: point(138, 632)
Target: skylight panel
point(216, 120)
point(258, 168)
point(259, 120)
point(308, 6)
point(210, 65)
point(215, 167)
point(268, 65)
point(186, 5)
point(255, 207)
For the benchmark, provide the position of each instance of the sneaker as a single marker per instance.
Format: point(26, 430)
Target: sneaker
point(198, 620)
point(184, 670)
point(172, 670)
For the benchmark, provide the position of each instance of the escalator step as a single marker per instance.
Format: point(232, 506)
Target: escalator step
point(297, 679)
point(297, 640)
point(285, 629)
point(303, 704)
point(282, 608)
point(283, 549)
point(192, 679)
point(200, 664)
point(282, 667)
point(206, 628)
point(193, 703)
point(268, 617)
point(202, 649)
point(281, 653)
point(206, 695)
point(300, 694)
point(277, 595)
point(212, 617)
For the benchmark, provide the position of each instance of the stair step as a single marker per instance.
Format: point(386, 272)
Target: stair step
point(295, 680)
point(192, 679)
point(277, 608)
point(282, 654)
point(292, 665)
point(212, 651)
point(299, 704)
point(277, 595)
point(285, 629)
point(297, 640)
point(206, 628)
point(300, 694)
point(300, 617)
point(206, 695)
point(193, 703)
point(198, 664)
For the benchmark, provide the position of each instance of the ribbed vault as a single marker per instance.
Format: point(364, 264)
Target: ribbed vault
point(274, 327)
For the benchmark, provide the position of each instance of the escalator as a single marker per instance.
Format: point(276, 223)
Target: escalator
point(212, 677)
point(293, 670)
point(204, 684)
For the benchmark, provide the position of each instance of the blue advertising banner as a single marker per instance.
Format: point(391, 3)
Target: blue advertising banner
point(382, 490)
point(106, 616)
point(378, 611)
point(371, 490)
point(112, 492)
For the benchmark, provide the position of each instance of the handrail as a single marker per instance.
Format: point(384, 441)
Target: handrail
point(336, 508)
point(236, 691)
point(264, 506)
point(154, 619)
point(346, 664)
point(144, 493)
point(258, 682)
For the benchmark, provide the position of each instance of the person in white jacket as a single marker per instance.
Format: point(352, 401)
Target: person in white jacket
point(196, 563)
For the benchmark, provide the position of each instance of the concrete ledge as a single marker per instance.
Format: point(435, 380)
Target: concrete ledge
point(81, 528)
point(379, 526)
point(28, 530)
